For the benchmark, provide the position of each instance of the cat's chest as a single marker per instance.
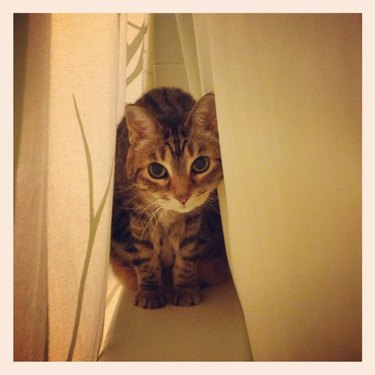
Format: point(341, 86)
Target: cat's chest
point(168, 234)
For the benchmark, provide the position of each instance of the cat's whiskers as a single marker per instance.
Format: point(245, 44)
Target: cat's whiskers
point(123, 190)
point(156, 224)
point(132, 201)
point(212, 205)
point(151, 217)
point(136, 207)
point(145, 207)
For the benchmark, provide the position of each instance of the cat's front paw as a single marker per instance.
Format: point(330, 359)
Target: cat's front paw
point(150, 299)
point(186, 296)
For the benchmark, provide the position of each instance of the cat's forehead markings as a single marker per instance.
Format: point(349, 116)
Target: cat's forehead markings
point(174, 165)
point(169, 147)
point(153, 156)
point(162, 152)
point(190, 148)
point(184, 142)
point(175, 140)
point(175, 148)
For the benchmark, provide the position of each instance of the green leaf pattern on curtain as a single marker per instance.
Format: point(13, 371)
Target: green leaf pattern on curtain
point(135, 50)
point(132, 49)
point(94, 220)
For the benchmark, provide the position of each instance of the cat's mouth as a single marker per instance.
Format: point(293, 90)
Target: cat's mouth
point(191, 204)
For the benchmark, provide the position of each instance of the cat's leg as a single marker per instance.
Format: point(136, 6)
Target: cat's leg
point(145, 260)
point(150, 293)
point(186, 291)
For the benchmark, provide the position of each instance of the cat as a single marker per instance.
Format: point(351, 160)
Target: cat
point(166, 228)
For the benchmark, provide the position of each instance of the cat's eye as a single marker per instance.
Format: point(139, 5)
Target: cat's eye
point(200, 164)
point(156, 170)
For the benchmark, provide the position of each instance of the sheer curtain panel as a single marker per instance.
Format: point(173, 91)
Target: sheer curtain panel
point(70, 94)
point(288, 99)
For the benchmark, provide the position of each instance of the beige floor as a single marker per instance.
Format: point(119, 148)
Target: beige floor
point(211, 331)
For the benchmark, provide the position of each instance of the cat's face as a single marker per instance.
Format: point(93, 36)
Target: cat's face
point(174, 169)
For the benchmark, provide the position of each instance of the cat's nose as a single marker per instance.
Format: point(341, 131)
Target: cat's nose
point(183, 198)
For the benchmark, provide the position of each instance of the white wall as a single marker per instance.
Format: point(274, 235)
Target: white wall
point(169, 66)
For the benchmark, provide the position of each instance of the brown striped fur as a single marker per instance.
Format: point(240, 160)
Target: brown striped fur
point(166, 230)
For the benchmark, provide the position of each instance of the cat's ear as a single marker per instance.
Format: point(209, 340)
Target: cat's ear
point(203, 115)
point(140, 123)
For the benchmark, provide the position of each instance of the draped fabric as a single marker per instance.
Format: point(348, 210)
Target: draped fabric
point(71, 80)
point(139, 78)
point(288, 98)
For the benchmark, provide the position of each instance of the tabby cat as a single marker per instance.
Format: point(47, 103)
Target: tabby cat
point(166, 228)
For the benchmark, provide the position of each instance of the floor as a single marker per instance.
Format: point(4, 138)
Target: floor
point(214, 330)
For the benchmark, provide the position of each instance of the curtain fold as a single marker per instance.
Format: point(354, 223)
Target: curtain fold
point(288, 97)
point(136, 71)
point(186, 35)
point(32, 41)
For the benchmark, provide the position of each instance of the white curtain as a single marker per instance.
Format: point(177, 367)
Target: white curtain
point(70, 94)
point(288, 95)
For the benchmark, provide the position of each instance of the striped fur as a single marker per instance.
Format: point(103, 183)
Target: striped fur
point(166, 232)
